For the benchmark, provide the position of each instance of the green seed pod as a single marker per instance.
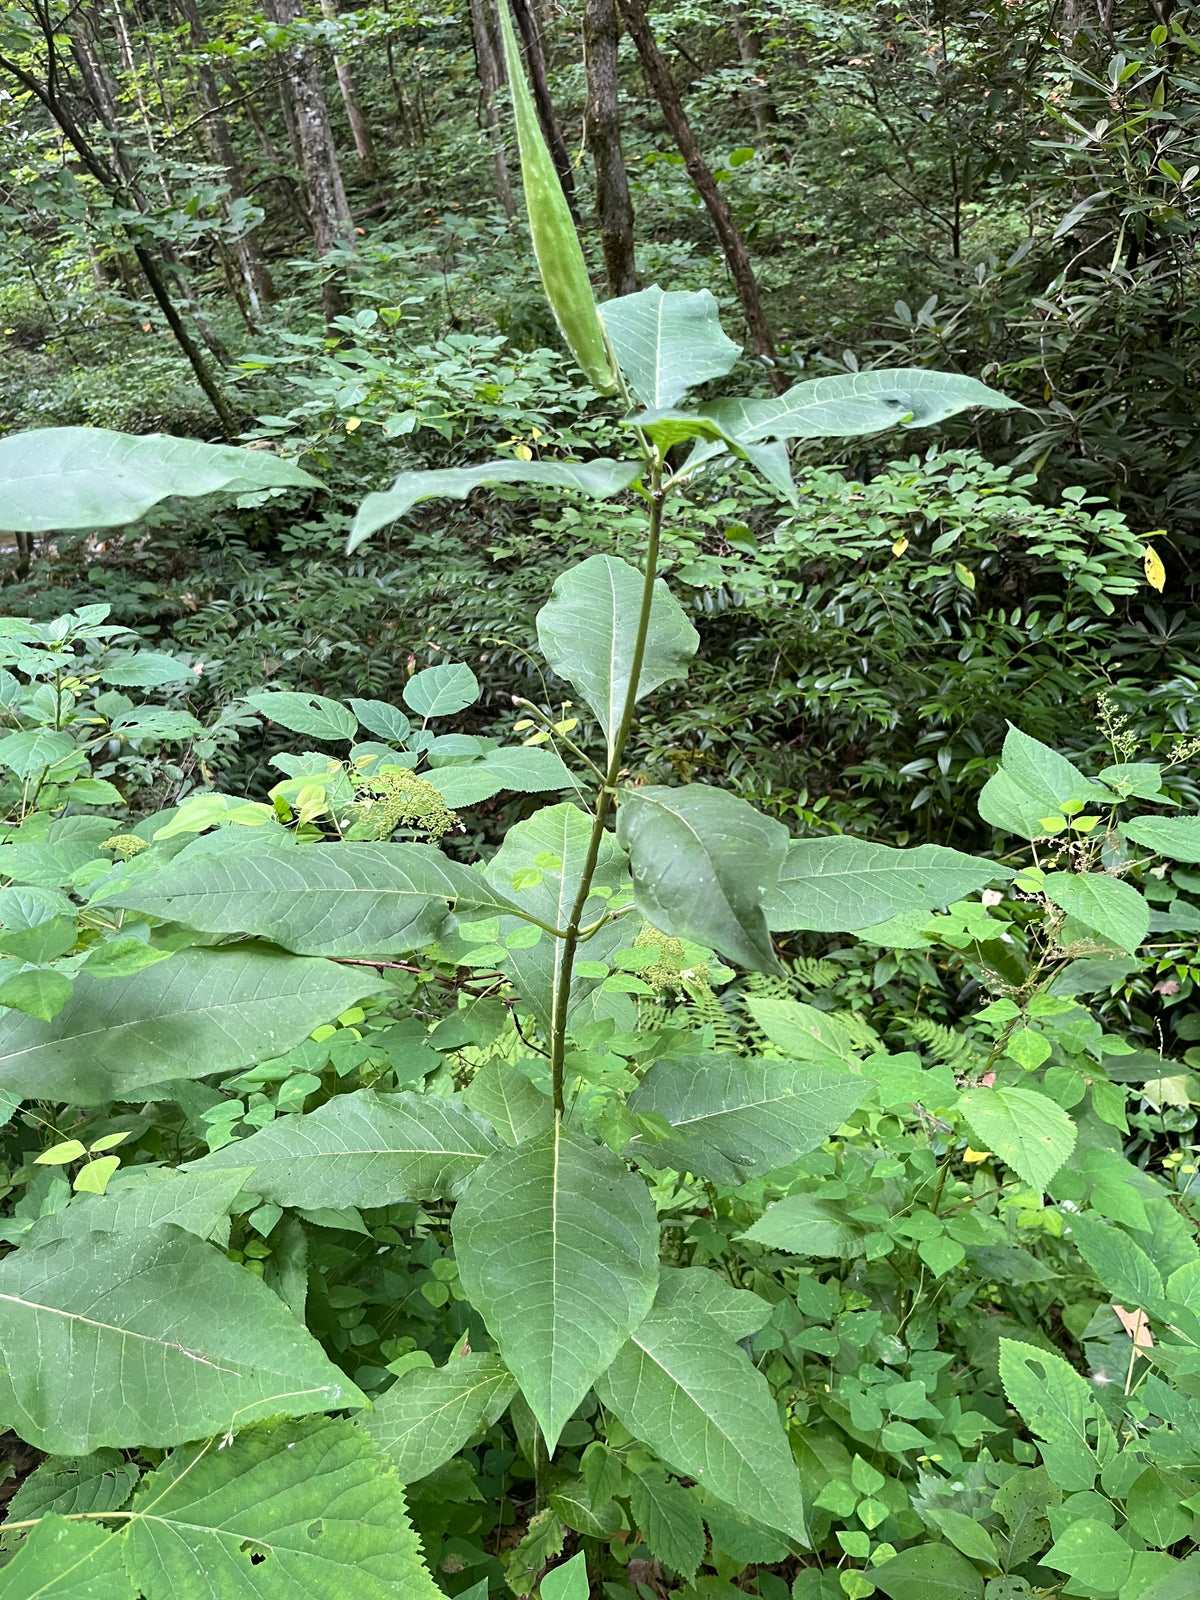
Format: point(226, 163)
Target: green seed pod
point(555, 241)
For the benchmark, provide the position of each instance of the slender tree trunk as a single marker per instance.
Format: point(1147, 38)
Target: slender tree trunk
point(614, 208)
point(487, 62)
point(259, 287)
point(732, 244)
point(535, 61)
point(364, 144)
point(750, 52)
point(329, 213)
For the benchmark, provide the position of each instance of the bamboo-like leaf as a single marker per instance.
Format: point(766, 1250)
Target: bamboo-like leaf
point(54, 478)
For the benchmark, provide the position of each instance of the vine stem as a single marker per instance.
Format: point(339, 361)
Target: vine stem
point(604, 800)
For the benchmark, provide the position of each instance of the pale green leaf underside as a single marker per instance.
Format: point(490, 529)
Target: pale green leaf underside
point(347, 899)
point(54, 478)
point(314, 1499)
point(703, 862)
point(734, 1120)
point(856, 403)
point(149, 1339)
point(201, 1012)
point(668, 341)
point(601, 479)
point(1177, 837)
point(842, 884)
point(362, 1149)
point(429, 1413)
point(587, 628)
point(699, 1404)
point(557, 1247)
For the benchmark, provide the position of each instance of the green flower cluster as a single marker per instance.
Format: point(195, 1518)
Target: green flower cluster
point(394, 798)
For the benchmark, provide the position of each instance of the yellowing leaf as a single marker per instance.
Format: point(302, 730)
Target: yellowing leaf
point(93, 1178)
point(1156, 573)
point(523, 453)
point(900, 546)
point(110, 1141)
point(965, 576)
point(58, 1155)
point(352, 423)
point(975, 1155)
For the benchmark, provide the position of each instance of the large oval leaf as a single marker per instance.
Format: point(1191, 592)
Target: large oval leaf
point(557, 1247)
point(56, 478)
point(696, 1400)
point(842, 884)
point(735, 1119)
point(587, 627)
point(667, 342)
point(362, 1149)
point(203, 1011)
point(703, 863)
point(149, 1339)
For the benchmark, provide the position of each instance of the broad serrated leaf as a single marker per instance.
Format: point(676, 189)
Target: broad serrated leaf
point(587, 631)
point(1031, 785)
point(61, 1560)
point(429, 1413)
point(1177, 837)
point(1113, 908)
point(667, 342)
point(600, 479)
point(701, 1291)
point(557, 1248)
point(1056, 1405)
point(149, 1339)
point(556, 833)
point(202, 1012)
point(314, 715)
point(856, 403)
point(703, 862)
point(809, 1225)
point(516, 1109)
point(1121, 1265)
point(297, 1509)
point(804, 1033)
point(1029, 1132)
point(524, 771)
point(362, 1149)
point(102, 1481)
point(700, 1405)
point(54, 478)
point(733, 1120)
point(348, 899)
point(842, 884)
point(669, 1520)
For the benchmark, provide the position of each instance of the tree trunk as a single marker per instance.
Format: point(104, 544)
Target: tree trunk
point(364, 144)
point(259, 287)
point(614, 208)
point(487, 62)
point(750, 52)
point(535, 61)
point(329, 213)
point(732, 244)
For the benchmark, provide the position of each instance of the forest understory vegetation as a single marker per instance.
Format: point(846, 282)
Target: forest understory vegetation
point(600, 855)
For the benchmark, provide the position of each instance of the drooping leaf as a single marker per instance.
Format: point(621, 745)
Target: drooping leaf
point(429, 1413)
point(586, 632)
point(525, 771)
point(1176, 837)
point(346, 899)
point(383, 720)
point(61, 1560)
point(149, 1339)
point(667, 342)
point(1031, 785)
point(204, 1011)
point(314, 715)
point(856, 403)
point(928, 1572)
point(1114, 908)
point(842, 884)
point(555, 834)
point(148, 1197)
point(557, 1247)
point(733, 1120)
point(503, 1094)
point(1028, 1131)
point(601, 479)
point(53, 478)
point(308, 1508)
point(703, 862)
point(700, 1405)
point(362, 1149)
